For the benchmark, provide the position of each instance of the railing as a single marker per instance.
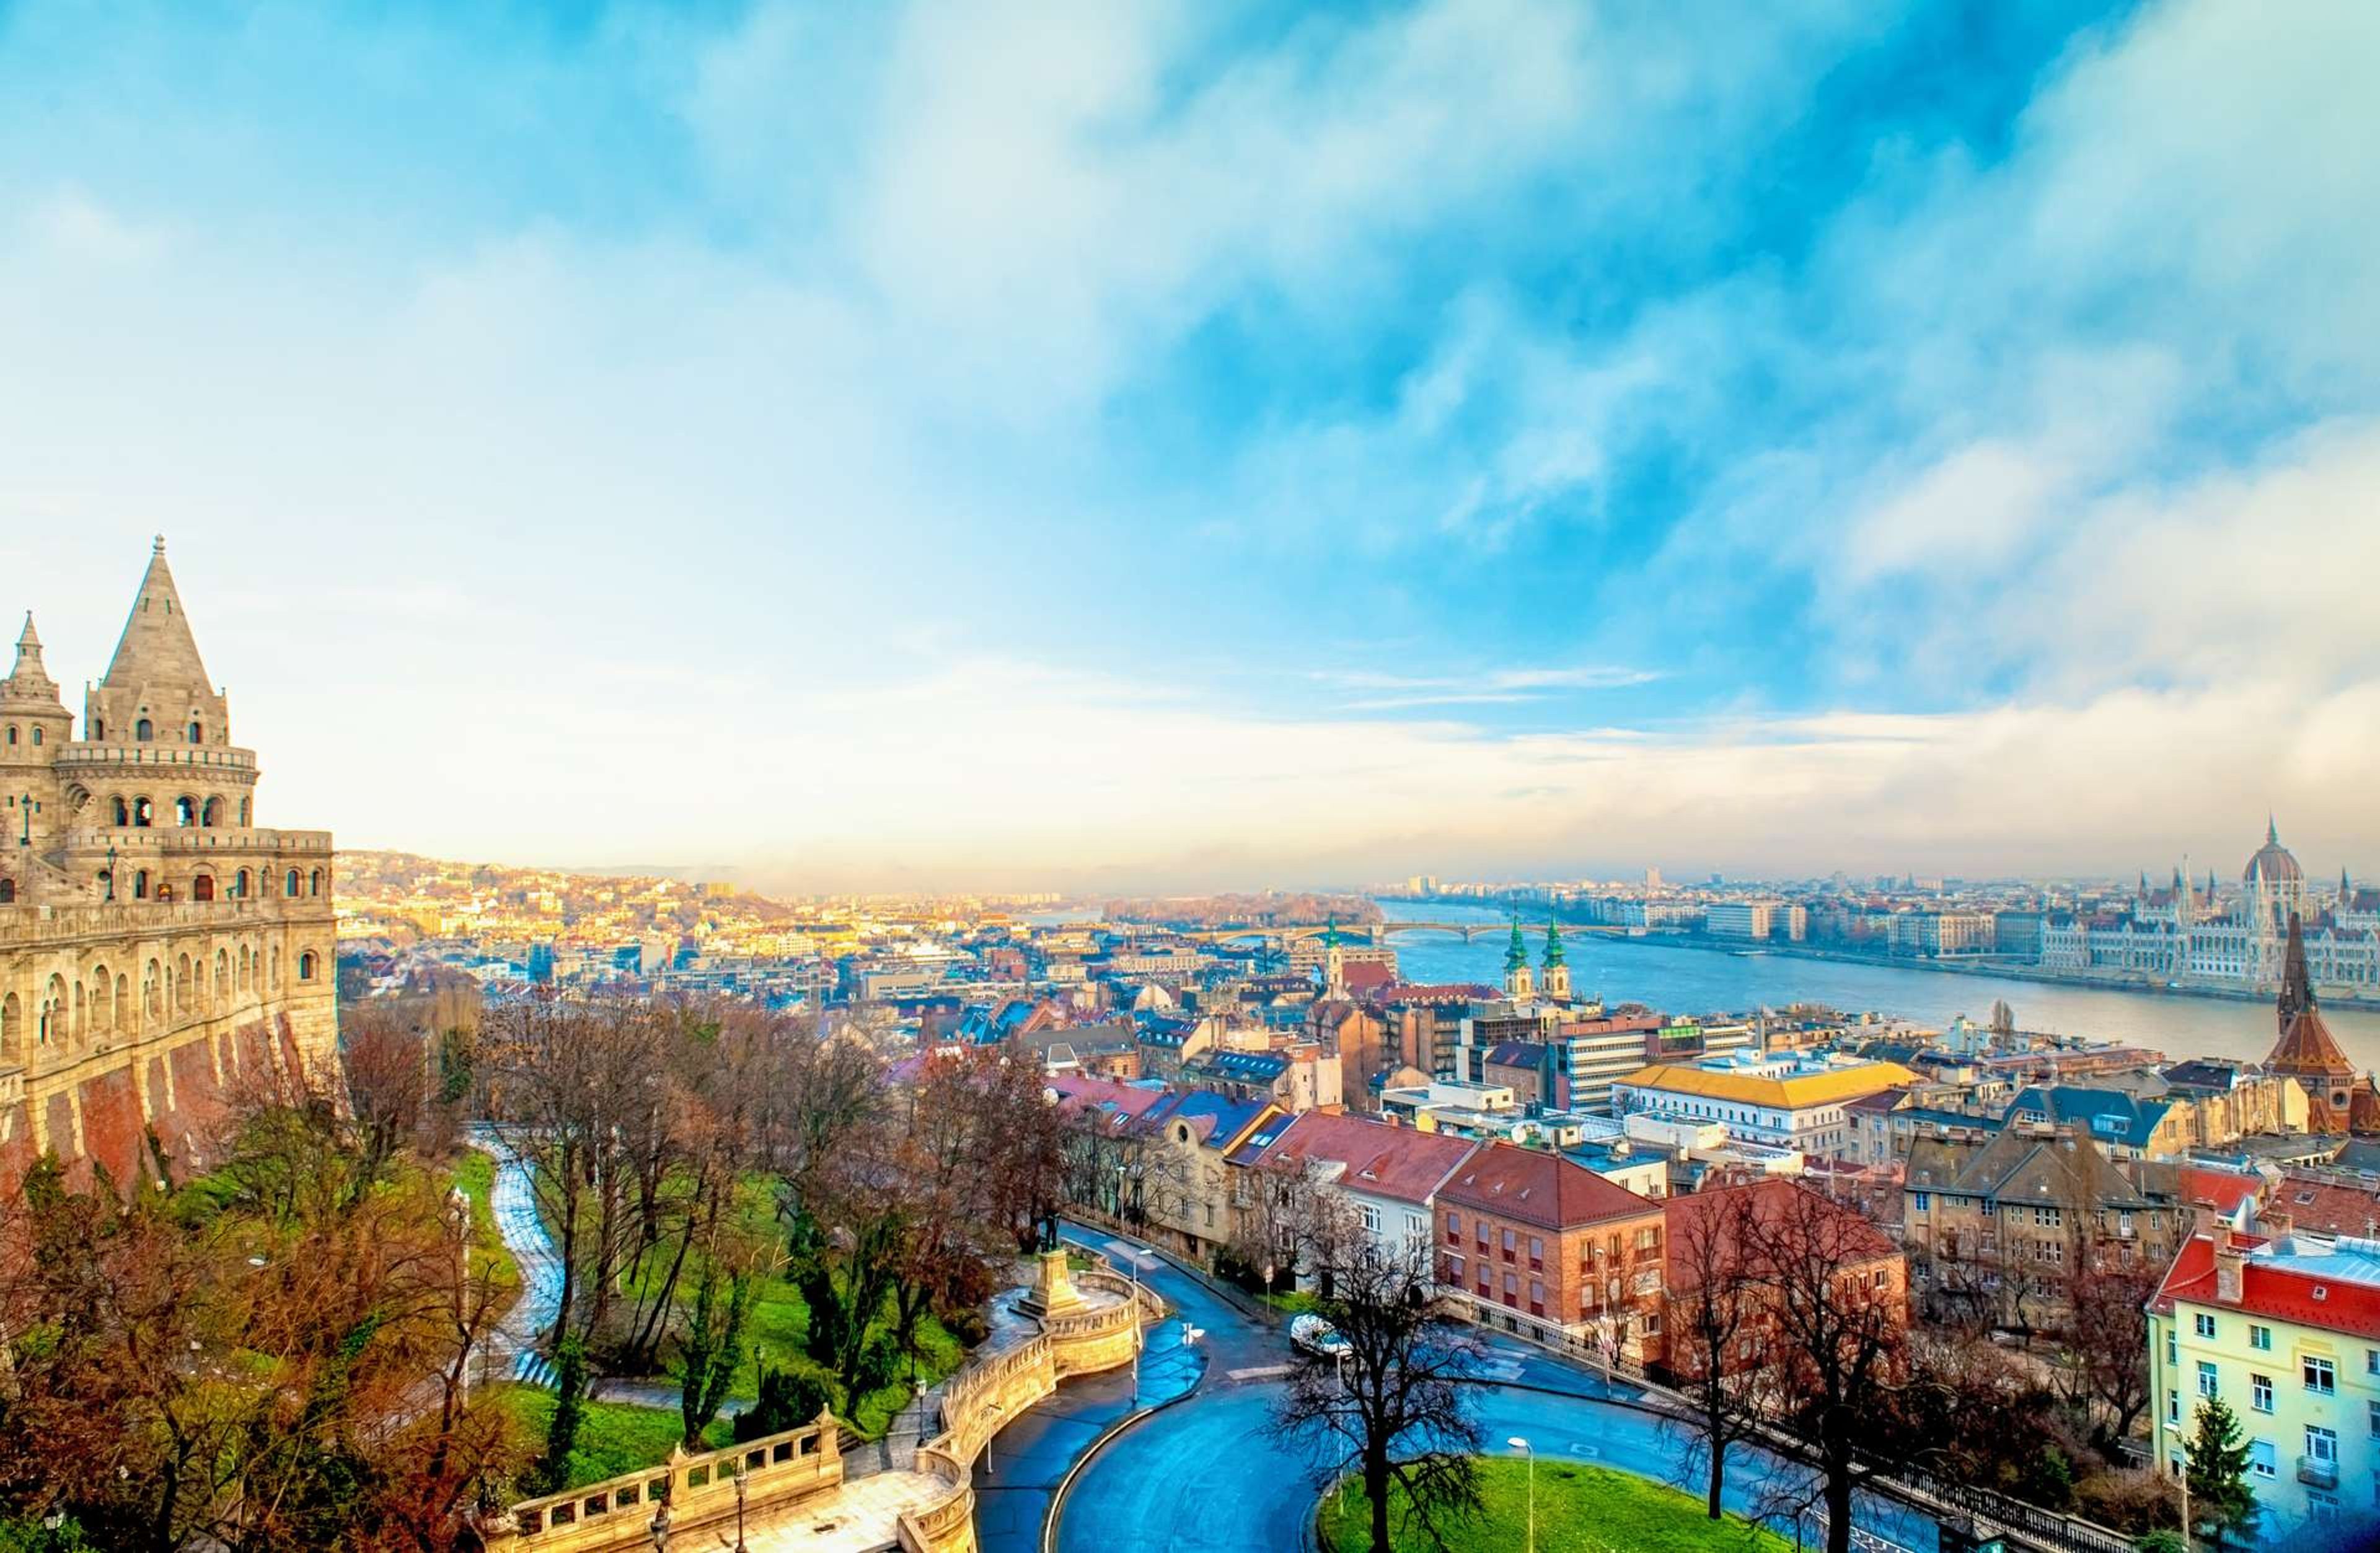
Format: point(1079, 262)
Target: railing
point(82, 753)
point(45, 925)
point(127, 839)
point(691, 1485)
point(2321, 1472)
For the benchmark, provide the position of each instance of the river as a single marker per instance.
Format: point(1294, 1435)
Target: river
point(1699, 981)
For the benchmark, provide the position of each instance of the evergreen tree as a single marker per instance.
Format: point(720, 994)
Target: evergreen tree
point(2221, 1503)
point(562, 1434)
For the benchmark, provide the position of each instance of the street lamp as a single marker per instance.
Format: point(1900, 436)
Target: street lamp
point(1517, 1443)
point(739, 1507)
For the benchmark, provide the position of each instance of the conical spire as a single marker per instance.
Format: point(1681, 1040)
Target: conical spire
point(157, 648)
point(2271, 830)
point(2297, 986)
point(1553, 943)
point(1517, 955)
point(29, 678)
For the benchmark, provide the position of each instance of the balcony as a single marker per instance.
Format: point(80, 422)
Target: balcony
point(2318, 1471)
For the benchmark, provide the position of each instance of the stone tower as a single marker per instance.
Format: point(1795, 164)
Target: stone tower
point(157, 948)
point(1556, 968)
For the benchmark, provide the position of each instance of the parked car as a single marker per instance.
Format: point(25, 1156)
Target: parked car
point(1315, 1335)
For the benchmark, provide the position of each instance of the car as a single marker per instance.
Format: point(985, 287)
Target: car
point(1316, 1336)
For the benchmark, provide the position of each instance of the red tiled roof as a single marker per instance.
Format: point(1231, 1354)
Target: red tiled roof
point(2284, 1294)
point(1082, 1092)
point(1537, 1188)
point(1387, 1160)
point(1366, 973)
point(2223, 1191)
point(1856, 1237)
point(2326, 1207)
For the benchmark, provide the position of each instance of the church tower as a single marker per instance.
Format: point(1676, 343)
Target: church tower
point(1519, 985)
point(1334, 962)
point(1557, 970)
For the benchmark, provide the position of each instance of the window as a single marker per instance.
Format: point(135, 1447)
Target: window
point(1453, 1227)
point(306, 973)
point(2173, 1407)
point(2372, 1419)
point(2206, 1387)
point(2321, 1375)
point(2261, 1338)
point(2203, 1324)
point(197, 734)
point(1455, 1269)
point(2260, 1392)
point(2049, 1216)
point(2172, 1350)
point(2372, 1361)
point(2261, 1460)
point(1371, 1220)
point(1922, 1201)
point(142, 732)
point(2322, 1445)
point(1537, 1253)
point(289, 885)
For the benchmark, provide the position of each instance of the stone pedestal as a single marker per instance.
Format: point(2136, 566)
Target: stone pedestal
point(1053, 1294)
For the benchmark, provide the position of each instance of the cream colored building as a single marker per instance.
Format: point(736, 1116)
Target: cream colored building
point(157, 947)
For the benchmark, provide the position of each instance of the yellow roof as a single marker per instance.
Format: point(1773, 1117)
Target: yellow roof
point(1788, 1094)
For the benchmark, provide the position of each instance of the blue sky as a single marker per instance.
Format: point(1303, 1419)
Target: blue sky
point(1223, 443)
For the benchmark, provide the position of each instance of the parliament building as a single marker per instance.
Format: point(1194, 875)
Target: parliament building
point(158, 948)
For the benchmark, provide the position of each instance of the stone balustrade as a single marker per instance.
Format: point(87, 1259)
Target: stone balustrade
point(700, 1490)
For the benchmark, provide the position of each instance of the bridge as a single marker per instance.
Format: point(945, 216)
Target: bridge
point(1374, 932)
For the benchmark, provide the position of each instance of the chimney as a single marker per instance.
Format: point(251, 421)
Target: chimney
point(2227, 1270)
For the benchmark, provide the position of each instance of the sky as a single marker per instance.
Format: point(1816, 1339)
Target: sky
point(1104, 445)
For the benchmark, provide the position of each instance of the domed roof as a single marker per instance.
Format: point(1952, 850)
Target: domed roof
point(2273, 863)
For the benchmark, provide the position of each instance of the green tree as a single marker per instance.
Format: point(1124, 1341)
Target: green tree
point(562, 1434)
point(2162, 1540)
point(2221, 1503)
point(712, 1347)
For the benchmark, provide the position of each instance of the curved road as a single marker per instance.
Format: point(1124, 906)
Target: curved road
point(1204, 1474)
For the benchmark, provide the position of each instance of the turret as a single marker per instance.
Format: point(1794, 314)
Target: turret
point(34, 725)
point(156, 689)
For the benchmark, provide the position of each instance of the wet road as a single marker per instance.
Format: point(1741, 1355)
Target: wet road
point(1204, 1476)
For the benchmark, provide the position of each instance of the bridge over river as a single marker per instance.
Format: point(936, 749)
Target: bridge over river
point(1366, 932)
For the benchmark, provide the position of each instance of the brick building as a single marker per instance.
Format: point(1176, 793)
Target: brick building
point(1536, 1233)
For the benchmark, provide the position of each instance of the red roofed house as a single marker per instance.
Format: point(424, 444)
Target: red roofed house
point(1390, 1175)
point(2285, 1329)
point(1722, 1230)
point(1537, 1234)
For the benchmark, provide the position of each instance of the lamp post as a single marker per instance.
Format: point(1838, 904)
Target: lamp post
point(458, 1213)
point(111, 871)
point(1517, 1443)
point(26, 806)
point(739, 1507)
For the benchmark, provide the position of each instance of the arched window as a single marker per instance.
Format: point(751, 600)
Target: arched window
point(143, 812)
point(182, 984)
point(223, 977)
point(306, 966)
point(12, 1029)
point(197, 735)
point(102, 1000)
point(212, 815)
point(123, 811)
point(98, 730)
point(12, 733)
point(142, 732)
point(247, 967)
point(153, 992)
point(314, 883)
point(243, 811)
point(123, 1009)
point(239, 885)
point(8, 892)
point(289, 885)
point(202, 887)
point(53, 1012)
point(37, 733)
point(186, 810)
point(140, 885)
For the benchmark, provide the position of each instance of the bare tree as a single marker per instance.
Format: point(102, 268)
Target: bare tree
point(2108, 1339)
point(1718, 1355)
point(1393, 1407)
point(1835, 1322)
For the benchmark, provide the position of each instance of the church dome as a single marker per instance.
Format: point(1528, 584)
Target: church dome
point(2273, 863)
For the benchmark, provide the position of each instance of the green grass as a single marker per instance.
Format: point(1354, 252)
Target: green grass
point(1293, 1302)
point(476, 1174)
point(1581, 1508)
point(613, 1437)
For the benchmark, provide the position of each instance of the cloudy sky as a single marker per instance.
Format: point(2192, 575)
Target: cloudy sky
point(1220, 442)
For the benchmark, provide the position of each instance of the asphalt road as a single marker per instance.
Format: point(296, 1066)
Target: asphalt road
point(1205, 1476)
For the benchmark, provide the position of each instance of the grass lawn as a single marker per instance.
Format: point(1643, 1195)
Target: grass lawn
point(476, 1174)
point(1293, 1302)
point(1581, 1508)
point(613, 1437)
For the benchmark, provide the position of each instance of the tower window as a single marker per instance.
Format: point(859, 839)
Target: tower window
point(186, 810)
point(12, 733)
point(196, 734)
point(123, 813)
point(289, 884)
point(140, 813)
point(142, 732)
point(140, 885)
point(37, 735)
point(97, 729)
point(306, 966)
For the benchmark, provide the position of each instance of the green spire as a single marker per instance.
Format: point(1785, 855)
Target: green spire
point(1518, 955)
point(1553, 943)
point(1330, 931)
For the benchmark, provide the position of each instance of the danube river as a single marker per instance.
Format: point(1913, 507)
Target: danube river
point(1697, 982)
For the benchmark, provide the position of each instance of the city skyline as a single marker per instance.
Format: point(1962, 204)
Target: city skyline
point(962, 471)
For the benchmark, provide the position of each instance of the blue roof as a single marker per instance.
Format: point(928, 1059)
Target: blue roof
point(2110, 1114)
